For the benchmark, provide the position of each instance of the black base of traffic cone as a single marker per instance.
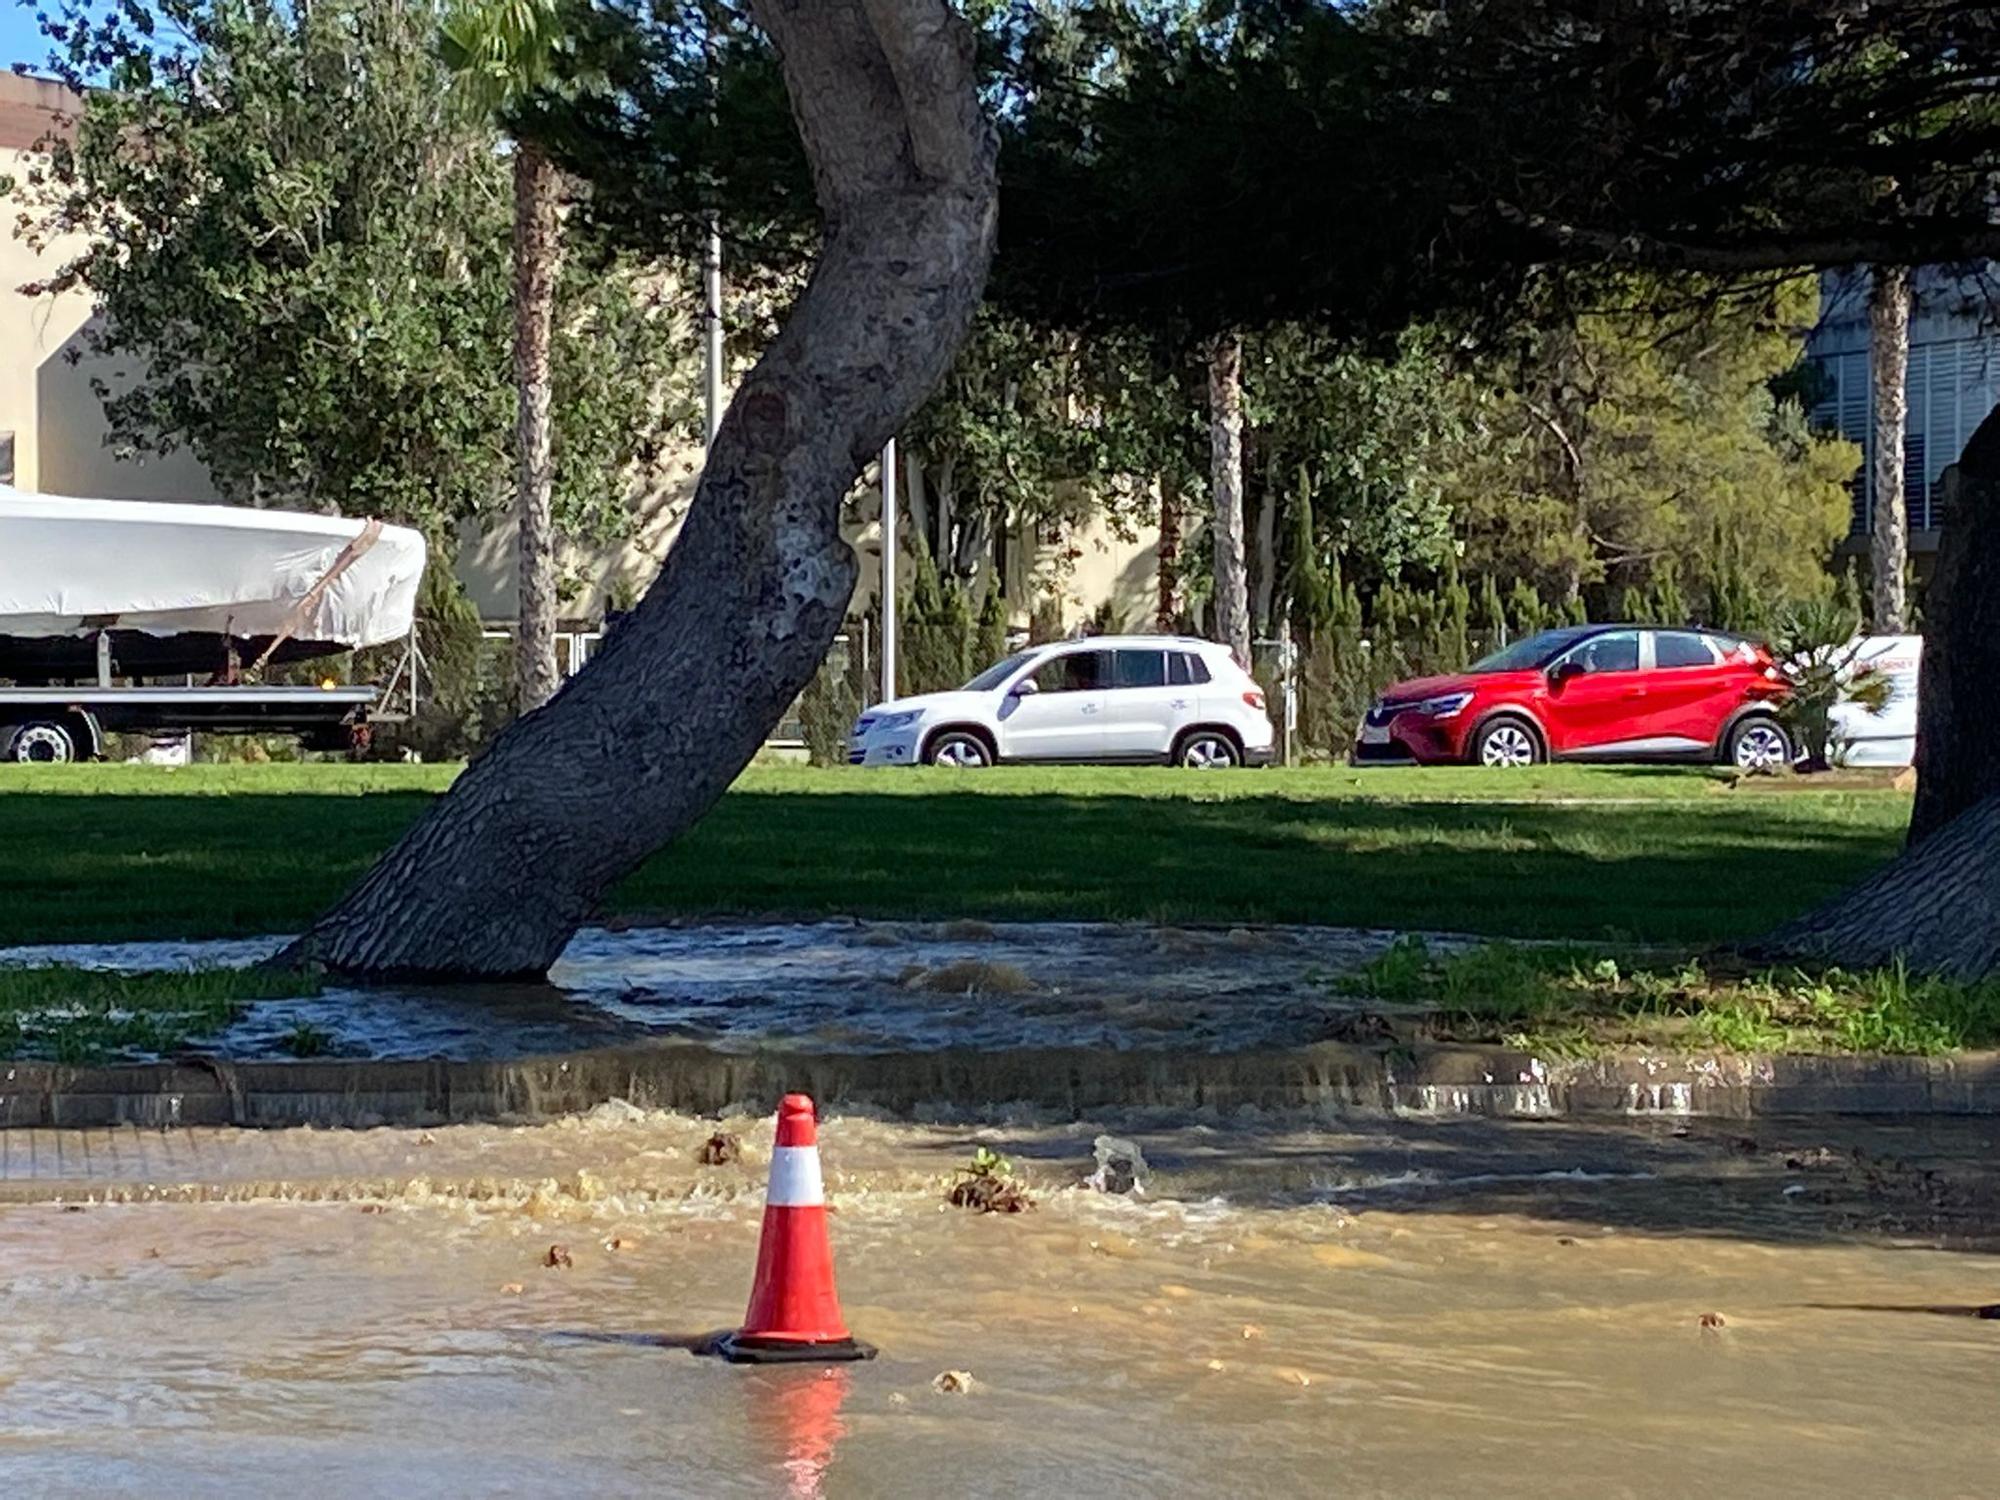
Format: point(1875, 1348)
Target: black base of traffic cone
point(746, 1349)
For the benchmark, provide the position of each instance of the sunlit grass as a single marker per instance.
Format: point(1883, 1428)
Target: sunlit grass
point(65, 1013)
point(1567, 999)
point(115, 852)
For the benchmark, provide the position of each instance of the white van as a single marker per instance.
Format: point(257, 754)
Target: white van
point(1888, 738)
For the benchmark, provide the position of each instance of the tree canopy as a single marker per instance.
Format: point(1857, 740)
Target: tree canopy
point(298, 249)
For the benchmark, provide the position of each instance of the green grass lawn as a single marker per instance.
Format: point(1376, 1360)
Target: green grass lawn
point(1647, 855)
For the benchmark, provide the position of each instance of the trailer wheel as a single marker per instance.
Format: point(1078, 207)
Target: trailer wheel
point(45, 741)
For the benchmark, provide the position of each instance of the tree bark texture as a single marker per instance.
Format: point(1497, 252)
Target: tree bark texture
point(1225, 462)
point(1956, 766)
point(1888, 370)
point(499, 873)
point(1937, 906)
point(537, 257)
point(1167, 599)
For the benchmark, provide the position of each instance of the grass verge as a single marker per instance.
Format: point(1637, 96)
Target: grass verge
point(1581, 1001)
point(65, 1013)
point(1599, 854)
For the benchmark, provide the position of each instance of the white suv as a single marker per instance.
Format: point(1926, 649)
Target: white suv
point(1146, 699)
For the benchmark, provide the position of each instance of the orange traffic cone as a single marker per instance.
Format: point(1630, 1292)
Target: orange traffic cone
point(794, 1311)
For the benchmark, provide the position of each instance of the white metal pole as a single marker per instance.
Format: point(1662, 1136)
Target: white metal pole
point(712, 326)
point(889, 570)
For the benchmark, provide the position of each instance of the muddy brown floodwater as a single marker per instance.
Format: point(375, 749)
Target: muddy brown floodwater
point(1412, 1308)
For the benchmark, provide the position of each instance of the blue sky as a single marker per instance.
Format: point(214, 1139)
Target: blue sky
point(21, 39)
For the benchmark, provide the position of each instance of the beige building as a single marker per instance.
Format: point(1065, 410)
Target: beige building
point(53, 440)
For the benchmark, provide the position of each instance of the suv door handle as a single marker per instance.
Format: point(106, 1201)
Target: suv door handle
point(1090, 708)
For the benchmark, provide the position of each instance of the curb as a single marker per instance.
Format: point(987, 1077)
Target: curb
point(1331, 1080)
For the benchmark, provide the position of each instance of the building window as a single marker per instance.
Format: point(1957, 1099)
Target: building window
point(6, 458)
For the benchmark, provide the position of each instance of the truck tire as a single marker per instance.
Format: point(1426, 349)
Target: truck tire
point(46, 741)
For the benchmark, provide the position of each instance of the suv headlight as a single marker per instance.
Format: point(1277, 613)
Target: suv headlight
point(901, 720)
point(1444, 707)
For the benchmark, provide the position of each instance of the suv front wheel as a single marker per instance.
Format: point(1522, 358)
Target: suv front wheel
point(957, 747)
point(1505, 741)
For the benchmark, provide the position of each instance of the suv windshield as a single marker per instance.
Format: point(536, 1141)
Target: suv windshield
point(998, 673)
point(1532, 651)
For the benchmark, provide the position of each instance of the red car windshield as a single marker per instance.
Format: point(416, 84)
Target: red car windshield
point(1532, 651)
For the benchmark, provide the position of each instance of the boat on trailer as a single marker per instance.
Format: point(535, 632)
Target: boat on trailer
point(96, 596)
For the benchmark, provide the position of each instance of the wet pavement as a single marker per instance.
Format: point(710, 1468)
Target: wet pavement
point(1415, 1308)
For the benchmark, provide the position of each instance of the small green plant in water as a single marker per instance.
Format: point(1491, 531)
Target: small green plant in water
point(307, 1040)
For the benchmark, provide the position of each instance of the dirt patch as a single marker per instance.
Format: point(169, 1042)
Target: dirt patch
point(1872, 779)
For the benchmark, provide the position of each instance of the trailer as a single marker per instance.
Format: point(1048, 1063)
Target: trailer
point(99, 596)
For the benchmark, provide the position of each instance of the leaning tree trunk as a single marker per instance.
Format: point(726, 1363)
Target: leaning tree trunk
point(1938, 905)
point(1889, 366)
point(500, 872)
point(537, 254)
point(1225, 465)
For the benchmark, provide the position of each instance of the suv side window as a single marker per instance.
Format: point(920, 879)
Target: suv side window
point(1185, 669)
point(1074, 672)
point(1614, 651)
point(1138, 669)
point(1681, 648)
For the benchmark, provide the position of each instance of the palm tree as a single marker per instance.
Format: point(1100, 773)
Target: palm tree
point(1889, 365)
point(1225, 429)
point(501, 53)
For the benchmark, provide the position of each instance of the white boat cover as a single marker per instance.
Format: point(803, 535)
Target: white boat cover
point(73, 567)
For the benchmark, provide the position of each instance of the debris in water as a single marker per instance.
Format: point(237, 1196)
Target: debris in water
point(558, 1256)
point(621, 1242)
point(988, 1186)
point(374, 1208)
point(1217, 1365)
point(720, 1149)
point(615, 1112)
point(1252, 1331)
point(952, 1382)
point(1745, 1145)
point(513, 1288)
point(1807, 1161)
point(1565, 1239)
point(968, 932)
point(1121, 1166)
point(1713, 1320)
point(971, 976)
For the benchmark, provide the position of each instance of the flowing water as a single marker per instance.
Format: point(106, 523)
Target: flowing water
point(1405, 1309)
point(841, 986)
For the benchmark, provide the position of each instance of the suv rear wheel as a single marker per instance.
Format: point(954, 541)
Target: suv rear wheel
point(1505, 742)
point(1207, 750)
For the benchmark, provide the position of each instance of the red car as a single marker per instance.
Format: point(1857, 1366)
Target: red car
point(1590, 692)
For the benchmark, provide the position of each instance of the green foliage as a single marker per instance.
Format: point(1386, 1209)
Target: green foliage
point(1818, 648)
point(833, 700)
point(302, 278)
point(1613, 446)
point(989, 643)
point(937, 634)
